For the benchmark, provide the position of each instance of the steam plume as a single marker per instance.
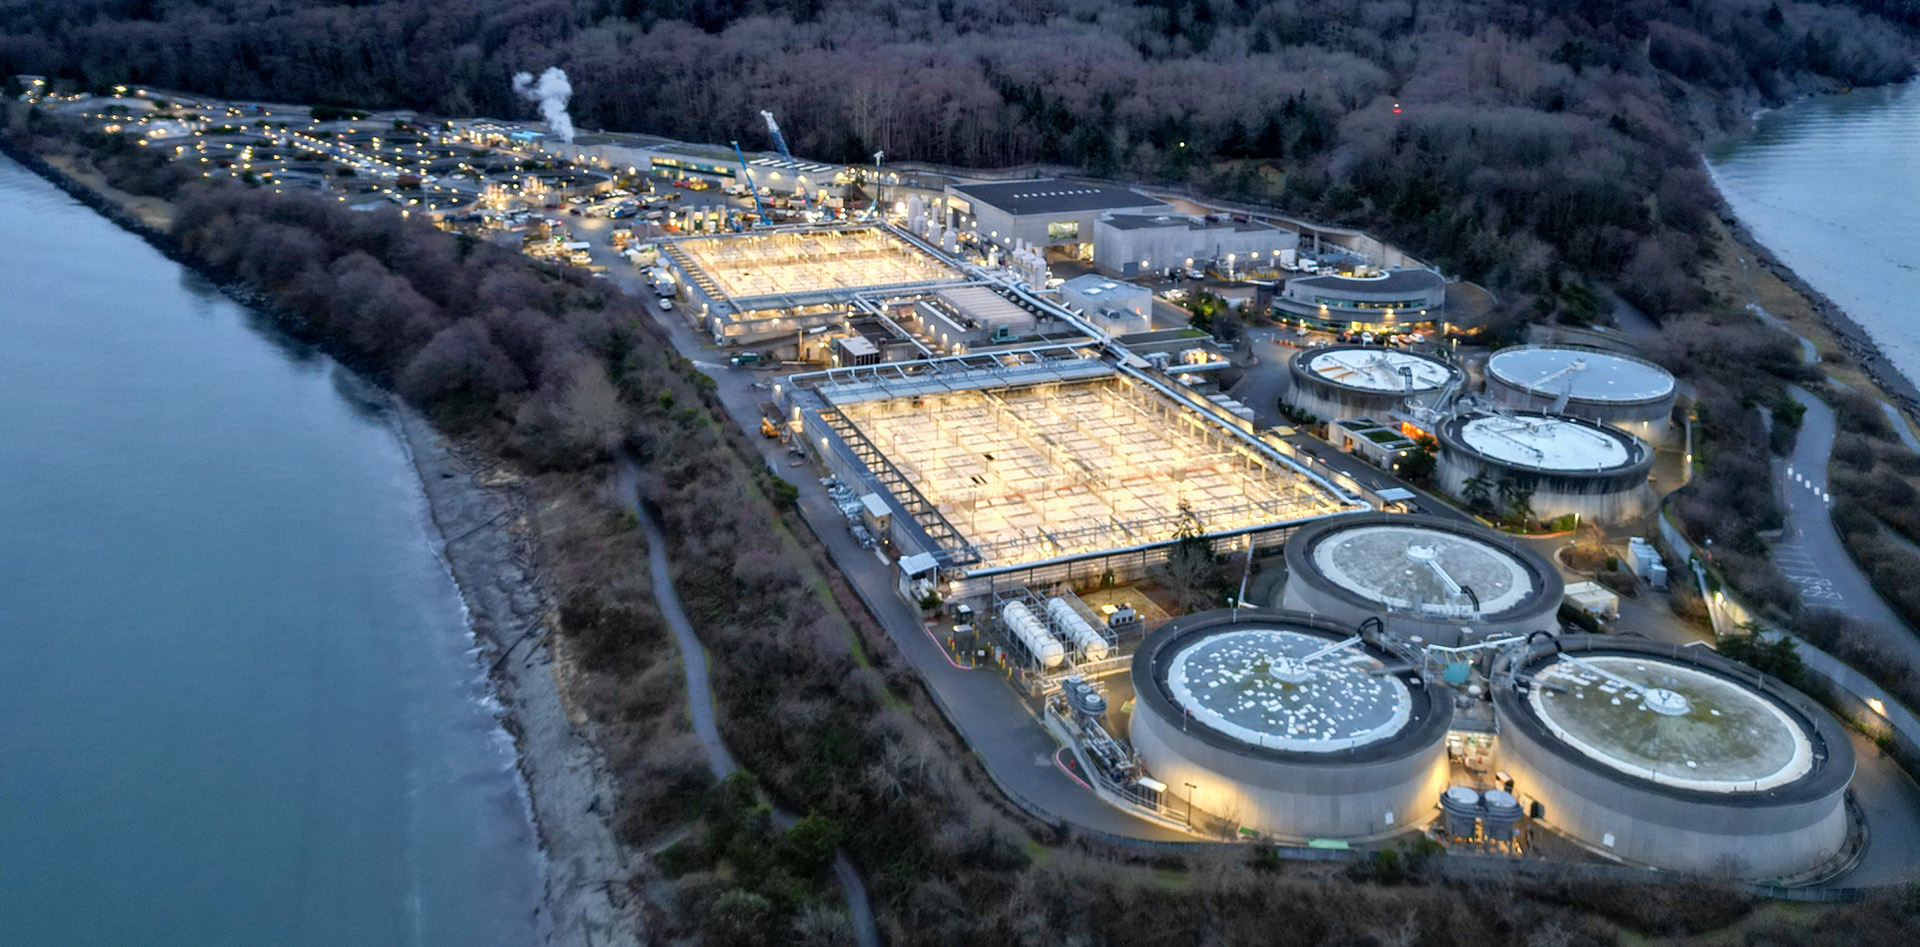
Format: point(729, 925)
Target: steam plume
point(552, 91)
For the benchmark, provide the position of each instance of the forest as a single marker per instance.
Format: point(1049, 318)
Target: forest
point(1538, 147)
point(1526, 144)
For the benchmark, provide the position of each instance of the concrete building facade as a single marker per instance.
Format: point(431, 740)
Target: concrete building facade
point(1395, 301)
point(1135, 244)
point(1049, 213)
point(1353, 750)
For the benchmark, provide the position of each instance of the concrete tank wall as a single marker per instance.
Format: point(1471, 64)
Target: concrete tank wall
point(1651, 421)
point(1310, 592)
point(1377, 787)
point(1774, 833)
point(1289, 799)
point(1329, 401)
point(1655, 828)
point(1606, 499)
point(1300, 596)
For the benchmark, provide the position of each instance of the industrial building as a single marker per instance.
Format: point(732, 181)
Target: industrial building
point(1346, 381)
point(773, 285)
point(1049, 464)
point(1048, 213)
point(1289, 725)
point(1562, 465)
point(1394, 301)
point(1116, 307)
point(1380, 443)
point(1440, 581)
point(1137, 245)
point(1621, 391)
point(1672, 757)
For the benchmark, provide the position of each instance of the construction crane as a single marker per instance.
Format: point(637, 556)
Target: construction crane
point(751, 187)
point(780, 142)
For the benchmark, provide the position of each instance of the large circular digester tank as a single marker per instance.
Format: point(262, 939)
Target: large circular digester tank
point(1447, 582)
point(1565, 465)
point(1281, 723)
point(1673, 757)
point(1350, 381)
point(1617, 390)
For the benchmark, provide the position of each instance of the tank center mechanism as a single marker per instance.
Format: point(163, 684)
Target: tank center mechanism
point(1672, 724)
point(1292, 670)
point(1664, 701)
point(1460, 600)
point(1288, 690)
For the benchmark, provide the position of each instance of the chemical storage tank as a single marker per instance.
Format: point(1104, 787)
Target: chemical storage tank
point(1621, 391)
point(1279, 722)
point(1351, 381)
point(1447, 582)
point(1092, 646)
point(1673, 757)
point(1568, 465)
point(1032, 633)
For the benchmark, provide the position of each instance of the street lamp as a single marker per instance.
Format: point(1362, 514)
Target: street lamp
point(1190, 788)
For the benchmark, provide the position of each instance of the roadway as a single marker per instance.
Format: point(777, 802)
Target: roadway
point(1810, 551)
point(1006, 736)
point(700, 703)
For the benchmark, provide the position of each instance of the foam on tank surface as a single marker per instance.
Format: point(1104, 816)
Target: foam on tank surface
point(1729, 740)
point(1227, 682)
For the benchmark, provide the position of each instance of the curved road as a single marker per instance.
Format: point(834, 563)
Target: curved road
point(1810, 552)
point(693, 663)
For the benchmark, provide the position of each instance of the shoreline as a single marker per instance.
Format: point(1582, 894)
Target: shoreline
point(1854, 338)
point(569, 787)
point(585, 900)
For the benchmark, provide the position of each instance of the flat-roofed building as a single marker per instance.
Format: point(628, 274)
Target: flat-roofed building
point(1138, 244)
point(1024, 467)
point(1117, 307)
point(1393, 301)
point(1043, 213)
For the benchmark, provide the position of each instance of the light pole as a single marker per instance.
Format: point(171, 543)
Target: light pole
point(1190, 788)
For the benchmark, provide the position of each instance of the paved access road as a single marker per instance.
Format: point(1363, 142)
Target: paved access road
point(700, 706)
point(1012, 745)
point(1810, 552)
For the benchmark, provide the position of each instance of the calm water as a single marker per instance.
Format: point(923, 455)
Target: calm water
point(238, 704)
point(1832, 186)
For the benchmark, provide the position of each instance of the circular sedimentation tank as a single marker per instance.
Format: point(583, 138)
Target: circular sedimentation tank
point(1674, 757)
point(1618, 390)
point(1564, 465)
point(1275, 721)
point(1444, 581)
point(1349, 381)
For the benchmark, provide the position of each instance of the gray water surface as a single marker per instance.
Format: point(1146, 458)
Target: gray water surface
point(239, 703)
point(1831, 185)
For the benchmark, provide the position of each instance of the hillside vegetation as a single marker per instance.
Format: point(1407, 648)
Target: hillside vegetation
point(1535, 143)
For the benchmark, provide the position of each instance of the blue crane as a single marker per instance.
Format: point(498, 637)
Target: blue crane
point(751, 187)
point(780, 142)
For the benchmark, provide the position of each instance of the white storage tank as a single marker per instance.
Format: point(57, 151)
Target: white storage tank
point(1566, 464)
point(1032, 634)
point(1446, 581)
point(1351, 381)
point(1092, 646)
